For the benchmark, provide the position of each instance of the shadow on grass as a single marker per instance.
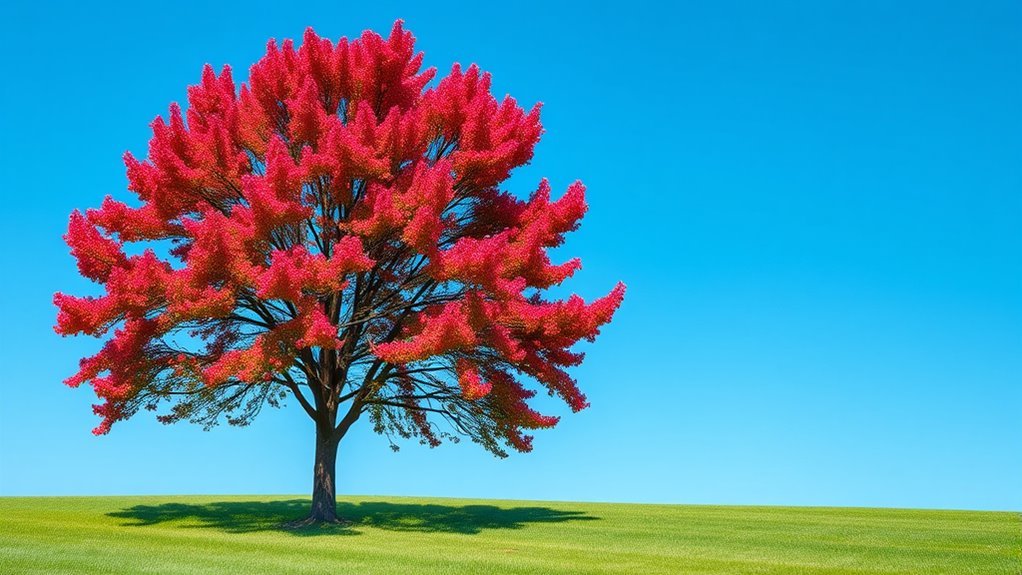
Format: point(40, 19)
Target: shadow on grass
point(249, 516)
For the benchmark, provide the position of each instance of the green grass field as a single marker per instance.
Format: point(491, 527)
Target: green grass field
point(242, 535)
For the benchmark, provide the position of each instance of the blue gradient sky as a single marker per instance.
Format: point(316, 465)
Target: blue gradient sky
point(816, 207)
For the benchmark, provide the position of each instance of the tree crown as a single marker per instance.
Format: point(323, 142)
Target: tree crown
point(335, 230)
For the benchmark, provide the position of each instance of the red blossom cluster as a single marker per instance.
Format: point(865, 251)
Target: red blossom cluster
point(335, 215)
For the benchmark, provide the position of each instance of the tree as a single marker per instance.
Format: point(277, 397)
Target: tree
point(333, 232)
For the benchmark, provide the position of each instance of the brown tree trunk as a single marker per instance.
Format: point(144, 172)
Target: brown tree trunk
point(324, 491)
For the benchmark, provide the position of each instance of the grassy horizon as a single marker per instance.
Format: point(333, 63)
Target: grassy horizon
point(410, 535)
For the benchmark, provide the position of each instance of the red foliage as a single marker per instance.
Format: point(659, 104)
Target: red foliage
point(336, 225)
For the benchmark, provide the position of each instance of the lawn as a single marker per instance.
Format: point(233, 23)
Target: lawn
point(242, 534)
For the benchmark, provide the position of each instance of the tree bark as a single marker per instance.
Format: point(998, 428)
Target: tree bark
point(324, 490)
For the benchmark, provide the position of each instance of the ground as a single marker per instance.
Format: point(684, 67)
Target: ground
point(242, 534)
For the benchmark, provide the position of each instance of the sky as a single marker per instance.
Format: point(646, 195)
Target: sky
point(815, 205)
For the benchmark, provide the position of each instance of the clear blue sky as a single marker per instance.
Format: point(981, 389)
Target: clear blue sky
point(816, 207)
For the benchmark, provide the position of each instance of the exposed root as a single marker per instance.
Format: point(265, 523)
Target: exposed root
point(315, 522)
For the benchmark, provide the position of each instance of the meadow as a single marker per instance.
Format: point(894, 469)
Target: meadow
point(401, 535)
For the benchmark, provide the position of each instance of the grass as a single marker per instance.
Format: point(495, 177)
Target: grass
point(242, 534)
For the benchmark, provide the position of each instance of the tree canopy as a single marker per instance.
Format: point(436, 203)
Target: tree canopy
point(334, 231)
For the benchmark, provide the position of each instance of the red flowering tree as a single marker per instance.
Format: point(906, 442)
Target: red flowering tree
point(334, 232)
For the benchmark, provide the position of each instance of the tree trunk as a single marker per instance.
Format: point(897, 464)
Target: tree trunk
point(324, 492)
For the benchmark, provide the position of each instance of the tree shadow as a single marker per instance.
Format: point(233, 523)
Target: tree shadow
point(249, 516)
